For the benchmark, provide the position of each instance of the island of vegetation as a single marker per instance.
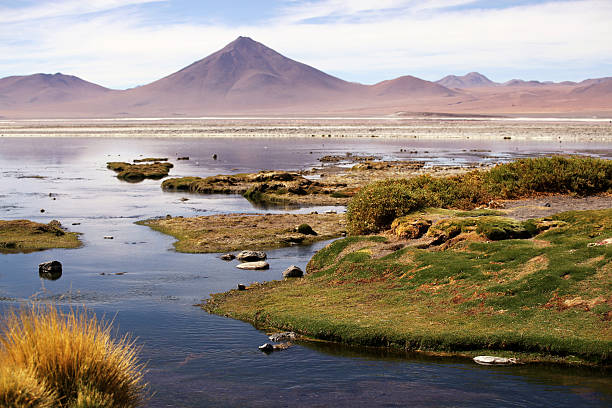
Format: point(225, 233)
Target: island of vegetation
point(424, 269)
point(137, 172)
point(23, 236)
point(331, 185)
point(233, 232)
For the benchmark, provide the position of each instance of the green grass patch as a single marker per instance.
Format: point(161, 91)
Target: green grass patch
point(545, 298)
point(23, 236)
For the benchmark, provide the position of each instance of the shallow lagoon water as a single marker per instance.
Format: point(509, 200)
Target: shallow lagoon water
point(196, 359)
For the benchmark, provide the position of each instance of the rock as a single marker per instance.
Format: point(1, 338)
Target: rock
point(51, 270)
point(254, 265)
point(214, 156)
point(108, 237)
point(42, 210)
point(241, 286)
point(293, 272)
point(76, 223)
point(547, 205)
point(491, 360)
point(182, 158)
point(228, 257)
point(266, 348)
point(607, 241)
point(250, 256)
point(283, 336)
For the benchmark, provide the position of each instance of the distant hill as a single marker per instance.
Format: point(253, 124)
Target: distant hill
point(409, 86)
point(44, 89)
point(471, 80)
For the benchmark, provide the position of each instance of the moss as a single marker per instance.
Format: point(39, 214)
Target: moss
point(23, 236)
point(137, 172)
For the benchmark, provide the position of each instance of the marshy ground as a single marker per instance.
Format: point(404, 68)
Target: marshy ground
point(233, 232)
point(23, 236)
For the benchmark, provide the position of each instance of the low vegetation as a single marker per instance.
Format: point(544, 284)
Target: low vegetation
point(233, 232)
point(374, 208)
point(137, 172)
point(536, 290)
point(51, 358)
point(22, 236)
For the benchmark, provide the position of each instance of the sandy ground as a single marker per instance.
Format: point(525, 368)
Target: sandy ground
point(552, 129)
point(546, 206)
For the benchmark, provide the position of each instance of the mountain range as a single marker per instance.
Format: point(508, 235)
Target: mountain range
point(246, 77)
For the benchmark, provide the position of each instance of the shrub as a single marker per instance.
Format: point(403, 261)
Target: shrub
point(305, 229)
point(557, 174)
point(72, 355)
point(376, 206)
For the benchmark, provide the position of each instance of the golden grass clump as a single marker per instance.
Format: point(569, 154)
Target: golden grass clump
point(69, 358)
point(19, 388)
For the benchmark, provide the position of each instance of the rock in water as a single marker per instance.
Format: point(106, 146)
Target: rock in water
point(283, 336)
point(266, 348)
point(254, 265)
point(293, 272)
point(241, 286)
point(250, 256)
point(228, 257)
point(492, 360)
point(51, 270)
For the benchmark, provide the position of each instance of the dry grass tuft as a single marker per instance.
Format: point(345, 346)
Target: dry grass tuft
point(68, 357)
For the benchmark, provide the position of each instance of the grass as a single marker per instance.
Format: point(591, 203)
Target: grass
point(377, 205)
point(234, 232)
point(23, 236)
point(51, 358)
point(546, 298)
point(135, 173)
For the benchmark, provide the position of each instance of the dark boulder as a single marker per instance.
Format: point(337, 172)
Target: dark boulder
point(51, 270)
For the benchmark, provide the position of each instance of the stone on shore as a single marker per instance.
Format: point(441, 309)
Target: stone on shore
point(258, 265)
point(293, 272)
point(492, 360)
point(251, 256)
point(283, 336)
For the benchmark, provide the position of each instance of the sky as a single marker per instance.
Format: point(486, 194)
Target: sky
point(126, 43)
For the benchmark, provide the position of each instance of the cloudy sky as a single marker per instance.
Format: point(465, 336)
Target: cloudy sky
point(124, 43)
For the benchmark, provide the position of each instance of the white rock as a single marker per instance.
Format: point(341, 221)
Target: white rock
point(253, 265)
point(492, 360)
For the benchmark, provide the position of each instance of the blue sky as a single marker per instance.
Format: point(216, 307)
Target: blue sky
point(124, 43)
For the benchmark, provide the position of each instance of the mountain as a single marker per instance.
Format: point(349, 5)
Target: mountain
point(471, 80)
point(44, 89)
point(244, 74)
point(594, 88)
point(409, 86)
point(246, 77)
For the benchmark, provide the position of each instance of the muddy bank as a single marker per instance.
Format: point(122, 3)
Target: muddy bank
point(234, 232)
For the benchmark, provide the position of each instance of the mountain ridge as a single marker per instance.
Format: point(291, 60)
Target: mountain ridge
point(246, 76)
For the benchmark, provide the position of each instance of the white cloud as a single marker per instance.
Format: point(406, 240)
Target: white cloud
point(118, 50)
point(50, 9)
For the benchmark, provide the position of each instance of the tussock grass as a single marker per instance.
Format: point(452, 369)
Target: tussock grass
point(68, 358)
point(374, 208)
